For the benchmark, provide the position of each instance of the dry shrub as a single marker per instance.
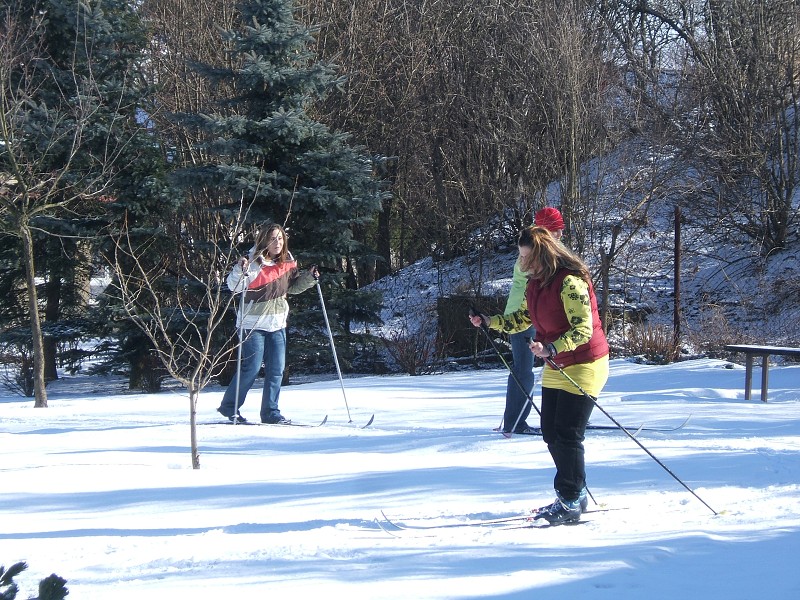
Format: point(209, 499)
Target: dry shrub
point(714, 332)
point(16, 374)
point(415, 353)
point(654, 344)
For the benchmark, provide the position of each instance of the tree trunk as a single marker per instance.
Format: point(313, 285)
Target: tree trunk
point(384, 240)
point(437, 172)
point(82, 274)
point(39, 390)
point(193, 395)
point(605, 279)
point(606, 260)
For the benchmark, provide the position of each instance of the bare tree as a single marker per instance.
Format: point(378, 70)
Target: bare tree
point(751, 142)
point(179, 299)
point(184, 33)
point(482, 103)
point(46, 168)
point(576, 99)
point(719, 80)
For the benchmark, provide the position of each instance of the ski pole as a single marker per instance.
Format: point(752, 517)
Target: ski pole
point(485, 329)
point(333, 347)
point(553, 365)
point(245, 277)
point(519, 416)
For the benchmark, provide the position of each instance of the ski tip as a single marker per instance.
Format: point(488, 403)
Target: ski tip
point(325, 420)
point(383, 528)
point(371, 419)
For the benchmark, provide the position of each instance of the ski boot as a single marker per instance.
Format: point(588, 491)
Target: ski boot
point(561, 511)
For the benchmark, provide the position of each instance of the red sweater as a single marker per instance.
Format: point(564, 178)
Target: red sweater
point(550, 319)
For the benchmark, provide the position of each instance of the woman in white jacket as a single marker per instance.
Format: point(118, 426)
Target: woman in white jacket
point(265, 277)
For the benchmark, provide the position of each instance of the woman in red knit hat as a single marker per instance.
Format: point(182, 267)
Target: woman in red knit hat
point(550, 218)
point(516, 322)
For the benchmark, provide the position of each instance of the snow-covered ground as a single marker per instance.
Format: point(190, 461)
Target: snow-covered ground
point(99, 489)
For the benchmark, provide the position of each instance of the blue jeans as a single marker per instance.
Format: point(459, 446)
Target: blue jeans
point(516, 399)
point(268, 347)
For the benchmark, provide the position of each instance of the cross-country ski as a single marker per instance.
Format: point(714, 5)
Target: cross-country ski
point(286, 423)
point(528, 518)
point(633, 429)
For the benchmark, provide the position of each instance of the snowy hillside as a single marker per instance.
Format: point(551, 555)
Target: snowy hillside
point(737, 298)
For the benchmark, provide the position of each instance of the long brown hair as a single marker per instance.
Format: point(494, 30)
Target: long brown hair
point(262, 242)
point(548, 256)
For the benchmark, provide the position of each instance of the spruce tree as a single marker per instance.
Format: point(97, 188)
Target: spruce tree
point(262, 147)
point(76, 151)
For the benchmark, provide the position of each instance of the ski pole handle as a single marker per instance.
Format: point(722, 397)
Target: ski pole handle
point(473, 312)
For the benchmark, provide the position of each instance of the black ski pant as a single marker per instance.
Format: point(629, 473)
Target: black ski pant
point(564, 420)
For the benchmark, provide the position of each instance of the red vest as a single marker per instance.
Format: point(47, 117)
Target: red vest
point(550, 319)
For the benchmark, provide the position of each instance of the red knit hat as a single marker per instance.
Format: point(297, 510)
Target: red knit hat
point(549, 218)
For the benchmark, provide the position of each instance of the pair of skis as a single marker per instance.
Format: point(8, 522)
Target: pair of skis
point(291, 423)
point(287, 423)
point(524, 521)
point(633, 430)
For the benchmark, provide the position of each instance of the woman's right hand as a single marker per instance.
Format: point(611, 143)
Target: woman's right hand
point(540, 349)
point(478, 320)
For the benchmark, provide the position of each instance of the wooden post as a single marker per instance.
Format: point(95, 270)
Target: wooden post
point(748, 376)
point(764, 376)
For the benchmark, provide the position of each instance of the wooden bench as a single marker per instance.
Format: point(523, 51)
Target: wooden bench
point(764, 352)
